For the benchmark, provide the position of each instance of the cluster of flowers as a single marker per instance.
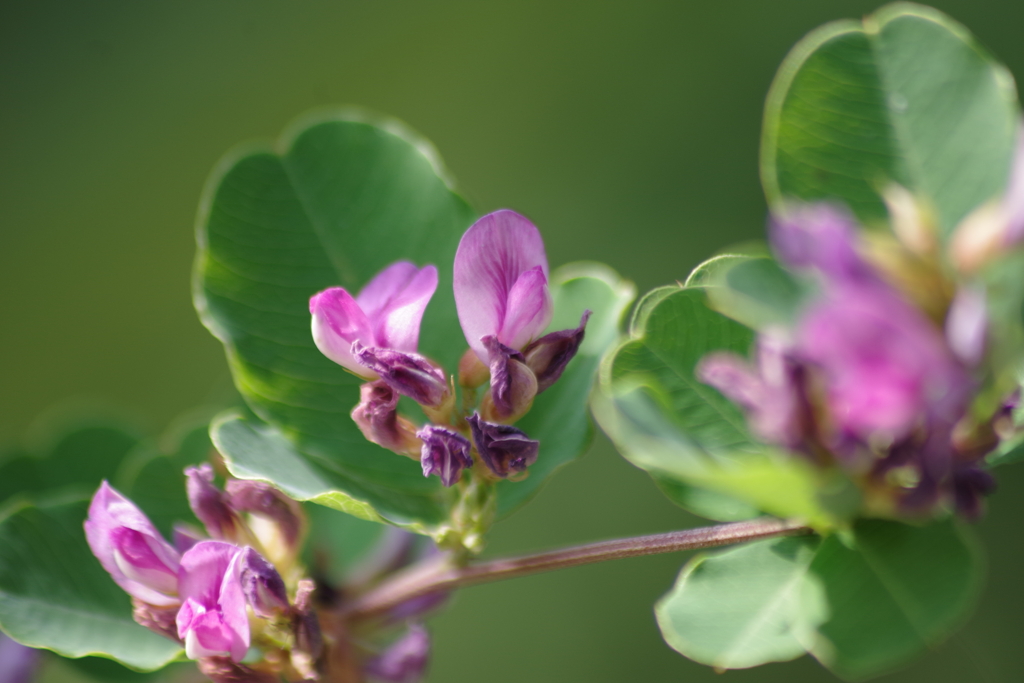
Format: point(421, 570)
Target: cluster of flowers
point(504, 305)
point(241, 586)
point(880, 371)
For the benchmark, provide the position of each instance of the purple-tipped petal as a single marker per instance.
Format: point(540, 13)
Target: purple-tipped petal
point(122, 537)
point(549, 355)
point(503, 448)
point(210, 505)
point(513, 384)
point(212, 620)
point(966, 325)
point(445, 453)
point(405, 661)
point(528, 311)
point(262, 585)
point(492, 256)
point(409, 374)
point(338, 321)
point(821, 237)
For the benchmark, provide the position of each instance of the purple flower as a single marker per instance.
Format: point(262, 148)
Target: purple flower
point(503, 448)
point(262, 585)
point(385, 314)
point(209, 503)
point(405, 661)
point(513, 384)
point(445, 453)
point(501, 282)
point(17, 662)
point(549, 355)
point(131, 549)
point(378, 419)
point(212, 621)
point(820, 237)
point(409, 374)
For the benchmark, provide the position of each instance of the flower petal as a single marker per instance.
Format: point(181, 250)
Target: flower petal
point(337, 322)
point(385, 286)
point(493, 253)
point(213, 619)
point(397, 324)
point(529, 309)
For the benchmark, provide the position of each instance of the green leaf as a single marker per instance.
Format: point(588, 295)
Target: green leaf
point(665, 421)
point(906, 96)
point(54, 594)
point(337, 199)
point(742, 607)
point(559, 418)
point(897, 591)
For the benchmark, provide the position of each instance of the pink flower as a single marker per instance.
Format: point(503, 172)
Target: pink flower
point(501, 282)
point(131, 549)
point(212, 621)
point(385, 314)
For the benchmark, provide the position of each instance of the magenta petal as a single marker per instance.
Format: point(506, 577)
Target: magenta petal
point(493, 253)
point(337, 322)
point(209, 581)
point(385, 286)
point(529, 309)
point(109, 513)
point(397, 324)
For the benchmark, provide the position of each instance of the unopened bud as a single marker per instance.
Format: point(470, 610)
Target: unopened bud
point(268, 503)
point(378, 419)
point(262, 585)
point(472, 371)
point(549, 355)
point(513, 384)
point(445, 453)
point(209, 503)
point(309, 642)
point(409, 374)
point(156, 618)
point(503, 448)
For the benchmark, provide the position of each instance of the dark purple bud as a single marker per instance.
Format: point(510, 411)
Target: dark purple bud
point(262, 585)
point(549, 355)
point(503, 448)
point(445, 453)
point(209, 503)
point(223, 670)
point(409, 374)
point(970, 486)
point(155, 618)
point(17, 662)
point(263, 500)
point(405, 661)
point(513, 384)
point(378, 419)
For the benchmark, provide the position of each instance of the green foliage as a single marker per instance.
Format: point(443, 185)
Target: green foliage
point(687, 435)
point(54, 594)
point(862, 603)
point(905, 96)
point(255, 450)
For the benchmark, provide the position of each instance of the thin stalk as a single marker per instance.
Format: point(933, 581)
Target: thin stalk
point(441, 574)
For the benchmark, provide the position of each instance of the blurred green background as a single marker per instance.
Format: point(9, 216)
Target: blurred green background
point(627, 131)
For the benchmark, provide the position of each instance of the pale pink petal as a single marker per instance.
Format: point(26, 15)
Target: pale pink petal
point(337, 322)
point(397, 324)
point(213, 619)
point(384, 286)
point(493, 253)
point(529, 310)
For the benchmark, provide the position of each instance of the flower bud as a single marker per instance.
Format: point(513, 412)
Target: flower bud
point(549, 355)
point(309, 642)
point(212, 620)
point(513, 384)
point(445, 453)
point(156, 619)
point(503, 448)
point(267, 504)
point(378, 419)
point(409, 374)
point(472, 371)
point(131, 549)
point(209, 503)
point(405, 661)
point(262, 585)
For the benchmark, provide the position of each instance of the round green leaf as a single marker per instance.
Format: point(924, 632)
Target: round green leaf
point(742, 607)
point(906, 96)
point(54, 594)
point(337, 199)
point(893, 592)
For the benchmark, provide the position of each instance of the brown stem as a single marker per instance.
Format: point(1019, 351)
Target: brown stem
point(440, 574)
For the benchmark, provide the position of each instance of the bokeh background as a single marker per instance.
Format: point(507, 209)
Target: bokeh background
point(627, 131)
